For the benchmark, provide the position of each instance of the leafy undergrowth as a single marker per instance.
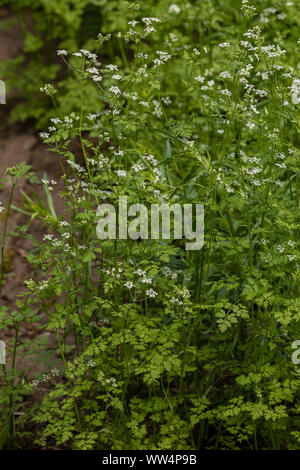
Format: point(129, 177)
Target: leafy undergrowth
point(159, 347)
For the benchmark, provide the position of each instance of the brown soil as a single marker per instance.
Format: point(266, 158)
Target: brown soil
point(21, 144)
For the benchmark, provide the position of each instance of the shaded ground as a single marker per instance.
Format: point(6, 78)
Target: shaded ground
point(20, 143)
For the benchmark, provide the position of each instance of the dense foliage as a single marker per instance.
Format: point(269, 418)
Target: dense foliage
point(159, 347)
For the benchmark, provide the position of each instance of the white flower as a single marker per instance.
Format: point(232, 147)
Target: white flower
point(48, 89)
point(140, 272)
point(174, 300)
point(148, 21)
point(224, 44)
point(55, 120)
point(129, 284)
point(91, 117)
point(138, 167)
point(226, 92)
point(253, 33)
point(167, 272)
point(295, 89)
point(112, 67)
point(45, 378)
point(141, 55)
point(273, 51)
point(44, 135)
point(88, 54)
point(115, 90)
point(93, 70)
point(65, 235)
point(121, 173)
point(151, 159)
point(62, 52)
point(151, 293)
point(48, 237)
point(281, 165)
point(133, 23)
point(253, 171)
point(225, 74)
point(116, 77)
point(166, 100)
point(91, 363)
point(142, 71)
point(97, 78)
point(174, 9)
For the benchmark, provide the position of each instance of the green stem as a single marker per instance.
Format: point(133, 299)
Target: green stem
point(68, 379)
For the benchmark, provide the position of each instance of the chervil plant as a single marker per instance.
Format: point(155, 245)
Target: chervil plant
point(158, 347)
